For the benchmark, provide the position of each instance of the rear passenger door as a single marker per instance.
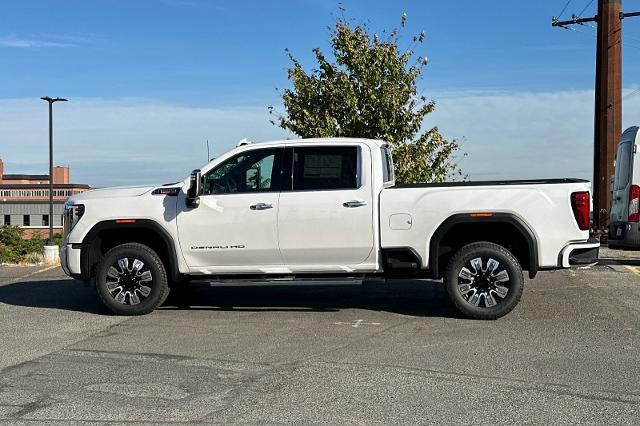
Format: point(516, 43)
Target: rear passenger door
point(326, 218)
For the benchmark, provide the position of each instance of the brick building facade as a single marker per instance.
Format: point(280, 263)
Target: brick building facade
point(24, 199)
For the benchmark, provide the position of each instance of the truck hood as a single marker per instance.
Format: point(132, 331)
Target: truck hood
point(115, 192)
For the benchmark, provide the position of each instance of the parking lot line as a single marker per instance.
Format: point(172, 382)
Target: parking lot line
point(30, 274)
point(634, 269)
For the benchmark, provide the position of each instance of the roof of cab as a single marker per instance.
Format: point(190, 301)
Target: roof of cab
point(247, 145)
point(375, 142)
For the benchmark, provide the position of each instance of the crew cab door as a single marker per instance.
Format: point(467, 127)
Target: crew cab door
point(327, 216)
point(236, 221)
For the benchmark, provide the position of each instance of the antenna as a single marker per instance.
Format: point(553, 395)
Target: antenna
point(208, 156)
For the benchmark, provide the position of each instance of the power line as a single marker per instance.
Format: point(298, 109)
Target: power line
point(624, 43)
point(564, 8)
point(630, 94)
point(585, 8)
point(608, 96)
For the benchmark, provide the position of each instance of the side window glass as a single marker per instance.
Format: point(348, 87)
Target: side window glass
point(325, 168)
point(253, 171)
point(623, 162)
point(387, 166)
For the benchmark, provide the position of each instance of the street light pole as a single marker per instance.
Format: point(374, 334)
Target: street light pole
point(51, 101)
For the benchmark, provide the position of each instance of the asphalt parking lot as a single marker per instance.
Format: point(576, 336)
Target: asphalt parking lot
point(394, 353)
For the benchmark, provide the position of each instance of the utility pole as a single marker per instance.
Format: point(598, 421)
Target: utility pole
point(608, 100)
point(51, 101)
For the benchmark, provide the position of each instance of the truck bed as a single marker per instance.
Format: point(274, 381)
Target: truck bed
point(542, 205)
point(493, 183)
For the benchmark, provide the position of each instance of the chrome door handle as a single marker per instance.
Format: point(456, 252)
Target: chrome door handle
point(354, 203)
point(261, 206)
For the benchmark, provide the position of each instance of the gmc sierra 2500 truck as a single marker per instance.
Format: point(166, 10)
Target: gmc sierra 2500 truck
point(324, 208)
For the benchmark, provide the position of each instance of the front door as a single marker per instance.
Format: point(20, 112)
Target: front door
point(326, 217)
point(236, 221)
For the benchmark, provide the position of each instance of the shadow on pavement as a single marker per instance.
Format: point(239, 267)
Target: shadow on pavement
point(70, 295)
point(408, 297)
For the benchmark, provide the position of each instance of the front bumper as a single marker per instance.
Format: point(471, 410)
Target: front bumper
point(70, 259)
point(580, 254)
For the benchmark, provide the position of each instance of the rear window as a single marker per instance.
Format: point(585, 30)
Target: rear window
point(623, 166)
point(387, 166)
point(325, 168)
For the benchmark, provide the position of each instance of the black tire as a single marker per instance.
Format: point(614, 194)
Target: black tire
point(128, 289)
point(482, 295)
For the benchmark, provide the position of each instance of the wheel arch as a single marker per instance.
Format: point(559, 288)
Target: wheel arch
point(464, 228)
point(109, 233)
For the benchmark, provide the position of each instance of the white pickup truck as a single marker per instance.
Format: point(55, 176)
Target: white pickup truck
point(324, 209)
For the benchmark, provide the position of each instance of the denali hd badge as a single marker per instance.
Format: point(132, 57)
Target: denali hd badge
point(236, 246)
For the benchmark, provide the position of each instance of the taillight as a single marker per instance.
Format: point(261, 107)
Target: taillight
point(581, 208)
point(634, 201)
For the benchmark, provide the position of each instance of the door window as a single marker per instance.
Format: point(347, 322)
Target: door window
point(387, 165)
point(252, 171)
point(327, 167)
point(623, 163)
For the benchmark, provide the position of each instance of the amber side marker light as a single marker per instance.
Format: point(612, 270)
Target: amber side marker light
point(480, 214)
point(125, 220)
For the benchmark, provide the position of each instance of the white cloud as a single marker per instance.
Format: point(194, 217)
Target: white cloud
point(125, 141)
point(522, 134)
point(507, 135)
point(43, 40)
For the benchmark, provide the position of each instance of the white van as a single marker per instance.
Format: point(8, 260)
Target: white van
point(624, 226)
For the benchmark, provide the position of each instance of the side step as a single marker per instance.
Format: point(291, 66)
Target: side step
point(286, 280)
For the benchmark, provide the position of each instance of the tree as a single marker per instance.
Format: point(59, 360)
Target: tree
point(369, 90)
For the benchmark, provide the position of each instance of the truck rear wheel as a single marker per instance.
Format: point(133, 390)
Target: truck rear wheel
point(131, 280)
point(484, 280)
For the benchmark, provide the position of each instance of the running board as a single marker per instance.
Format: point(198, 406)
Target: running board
point(282, 280)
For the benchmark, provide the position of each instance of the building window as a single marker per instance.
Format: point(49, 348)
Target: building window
point(45, 220)
point(26, 220)
point(7, 219)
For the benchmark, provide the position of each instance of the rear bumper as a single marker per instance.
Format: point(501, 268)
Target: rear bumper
point(580, 254)
point(624, 235)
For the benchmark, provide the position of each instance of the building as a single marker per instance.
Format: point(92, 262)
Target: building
point(24, 199)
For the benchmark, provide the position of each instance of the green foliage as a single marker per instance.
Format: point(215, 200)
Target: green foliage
point(15, 249)
point(369, 90)
point(57, 239)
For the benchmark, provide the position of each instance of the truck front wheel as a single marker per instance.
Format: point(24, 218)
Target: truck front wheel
point(484, 280)
point(131, 280)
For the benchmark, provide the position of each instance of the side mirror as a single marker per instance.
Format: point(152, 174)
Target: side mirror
point(195, 189)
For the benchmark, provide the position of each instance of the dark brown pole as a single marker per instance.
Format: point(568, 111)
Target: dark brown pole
point(51, 101)
point(608, 107)
point(50, 173)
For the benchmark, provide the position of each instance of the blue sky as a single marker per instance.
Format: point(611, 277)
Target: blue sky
point(150, 80)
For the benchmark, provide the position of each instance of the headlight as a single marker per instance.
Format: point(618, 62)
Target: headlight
point(71, 216)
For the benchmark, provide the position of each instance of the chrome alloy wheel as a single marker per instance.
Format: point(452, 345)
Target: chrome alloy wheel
point(483, 282)
point(129, 281)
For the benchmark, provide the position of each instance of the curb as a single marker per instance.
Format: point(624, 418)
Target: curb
point(618, 261)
